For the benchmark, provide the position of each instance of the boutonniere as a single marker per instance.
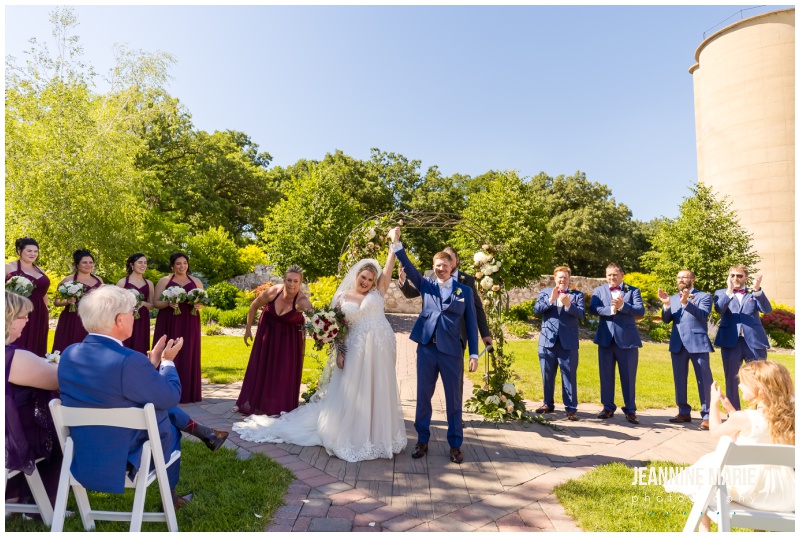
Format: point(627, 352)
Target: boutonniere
point(458, 291)
point(461, 277)
point(625, 288)
point(53, 357)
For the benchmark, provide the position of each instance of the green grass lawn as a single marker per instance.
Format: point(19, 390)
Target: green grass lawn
point(229, 495)
point(654, 385)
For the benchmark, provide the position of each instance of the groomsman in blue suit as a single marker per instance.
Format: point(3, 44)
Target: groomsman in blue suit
point(688, 310)
point(446, 305)
point(617, 338)
point(740, 335)
point(561, 309)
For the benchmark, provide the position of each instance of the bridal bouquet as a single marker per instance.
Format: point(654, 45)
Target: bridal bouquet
point(19, 285)
point(174, 295)
point(139, 298)
point(195, 297)
point(69, 290)
point(327, 325)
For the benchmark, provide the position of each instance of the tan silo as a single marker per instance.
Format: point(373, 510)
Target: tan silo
point(744, 117)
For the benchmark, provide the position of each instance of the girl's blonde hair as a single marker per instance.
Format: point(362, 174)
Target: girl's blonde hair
point(773, 389)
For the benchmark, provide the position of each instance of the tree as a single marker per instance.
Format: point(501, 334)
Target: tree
point(706, 238)
point(513, 215)
point(589, 228)
point(213, 253)
point(310, 225)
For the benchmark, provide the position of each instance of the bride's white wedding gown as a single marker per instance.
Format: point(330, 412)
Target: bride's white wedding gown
point(360, 417)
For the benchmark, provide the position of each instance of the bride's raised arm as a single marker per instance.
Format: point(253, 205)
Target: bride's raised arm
point(386, 275)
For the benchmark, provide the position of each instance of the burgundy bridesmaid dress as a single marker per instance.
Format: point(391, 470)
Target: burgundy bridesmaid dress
point(187, 361)
point(34, 335)
point(70, 329)
point(272, 380)
point(140, 337)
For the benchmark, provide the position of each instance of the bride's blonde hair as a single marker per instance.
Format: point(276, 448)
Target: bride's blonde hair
point(369, 267)
point(774, 392)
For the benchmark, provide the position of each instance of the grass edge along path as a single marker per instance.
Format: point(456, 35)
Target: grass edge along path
point(230, 494)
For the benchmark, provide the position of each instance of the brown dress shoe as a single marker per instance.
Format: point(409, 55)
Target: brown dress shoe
point(544, 409)
point(420, 450)
point(681, 418)
point(704, 425)
point(605, 414)
point(631, 417)
point(572, 416)
point(456, 456)
point(180, 501)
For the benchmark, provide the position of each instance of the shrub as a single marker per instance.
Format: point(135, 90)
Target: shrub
point(250, 256)
point(779, 306)
point(245, 298)
point(322, 290)
point(781, 339)
point(647, 284)
point(214, 253)
point(223, 295)
point(211, 329)
point(233, 318)
point(519, 329)
point(659, 332)
point(209, 314)
point(521, 312)
point(779, 321)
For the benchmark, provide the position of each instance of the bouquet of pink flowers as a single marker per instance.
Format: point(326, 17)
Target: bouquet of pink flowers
point(19, 285)
point(195, 297)
point(139, 299)
point(174, 295)
point(69, 290)
point(327, 325)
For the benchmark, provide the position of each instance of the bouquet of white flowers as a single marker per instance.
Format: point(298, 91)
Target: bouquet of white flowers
point(174, 295)
point(195, 297)
point(327, 325)
point(139, 299)
point(69, 290)
point(19, 285)
point(53, 357)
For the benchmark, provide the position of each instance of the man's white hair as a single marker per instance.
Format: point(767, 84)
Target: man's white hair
point(98, 310)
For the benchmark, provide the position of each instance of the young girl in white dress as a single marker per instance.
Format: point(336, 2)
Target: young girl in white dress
point(768, 387)
point(357, 414)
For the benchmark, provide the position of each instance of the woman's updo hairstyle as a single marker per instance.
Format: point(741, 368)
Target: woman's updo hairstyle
point(20, 244)
point(79, 254)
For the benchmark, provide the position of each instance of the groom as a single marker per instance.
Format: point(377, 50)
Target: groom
point(446, 304)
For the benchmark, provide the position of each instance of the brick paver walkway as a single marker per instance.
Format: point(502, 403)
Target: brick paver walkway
point(504, 484)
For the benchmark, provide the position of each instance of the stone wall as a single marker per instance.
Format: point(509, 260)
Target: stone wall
point(261, 275)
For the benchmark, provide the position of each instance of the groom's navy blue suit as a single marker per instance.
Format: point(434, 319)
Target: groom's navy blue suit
point(437, 333)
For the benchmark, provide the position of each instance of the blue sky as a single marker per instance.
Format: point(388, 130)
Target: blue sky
point(601, 89)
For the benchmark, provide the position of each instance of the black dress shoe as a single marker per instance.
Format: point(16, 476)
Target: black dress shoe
point(605, 414)
point(572, 416)
point(420, 450)
point(681, 418)
point(215, 440)
point(631, 417)
point(544, 409)
point(456, 456)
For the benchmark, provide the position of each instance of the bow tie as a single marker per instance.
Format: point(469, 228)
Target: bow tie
point(617, 288)
point(740, 291)
point(447, 284)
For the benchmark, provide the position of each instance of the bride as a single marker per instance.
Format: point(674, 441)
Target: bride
point(356, 415)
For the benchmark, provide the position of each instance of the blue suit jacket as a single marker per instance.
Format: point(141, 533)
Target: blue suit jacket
point(622, 325)
point(748, 319)
point(442, 318)
point(689, 324)
point(562, 326)
point(100, 373)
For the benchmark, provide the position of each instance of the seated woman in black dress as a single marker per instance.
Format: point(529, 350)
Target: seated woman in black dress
point(30, 433)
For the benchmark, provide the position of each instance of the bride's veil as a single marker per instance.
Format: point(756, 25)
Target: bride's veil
point(348, 282)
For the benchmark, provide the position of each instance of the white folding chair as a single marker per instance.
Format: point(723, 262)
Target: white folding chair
point(42, 504)
point(128, 418)
point(713, 499)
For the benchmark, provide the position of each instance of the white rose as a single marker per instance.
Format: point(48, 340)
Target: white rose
point(497, 264)
point(480, 258)
point(487, 283)
point(371, 233)
point(493, 399)
point(510, 389)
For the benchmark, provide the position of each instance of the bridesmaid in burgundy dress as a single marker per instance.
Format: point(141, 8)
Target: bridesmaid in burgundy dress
point(34, 335)
point(136, 265)
point(185, 325)
point(272, 380)
point(70, 329)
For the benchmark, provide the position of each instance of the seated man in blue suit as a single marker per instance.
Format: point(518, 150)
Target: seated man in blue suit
point(100, 373)
point(740, 336)
point(688, 311)
point(617, 338)
point(561, 309)
point(446, 305)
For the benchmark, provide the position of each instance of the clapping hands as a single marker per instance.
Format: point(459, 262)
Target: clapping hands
point(164, 350)
point(663, 297)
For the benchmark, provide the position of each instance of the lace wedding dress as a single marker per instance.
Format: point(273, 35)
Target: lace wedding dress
point(360, 417)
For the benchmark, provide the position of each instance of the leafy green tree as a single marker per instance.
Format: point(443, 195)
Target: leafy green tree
point(400, 175)
point(589, 228)
point(706, 238)
point(70, 177)
point(250, 256)
point(309, 227)
point(514, 216)
point(214, 253)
